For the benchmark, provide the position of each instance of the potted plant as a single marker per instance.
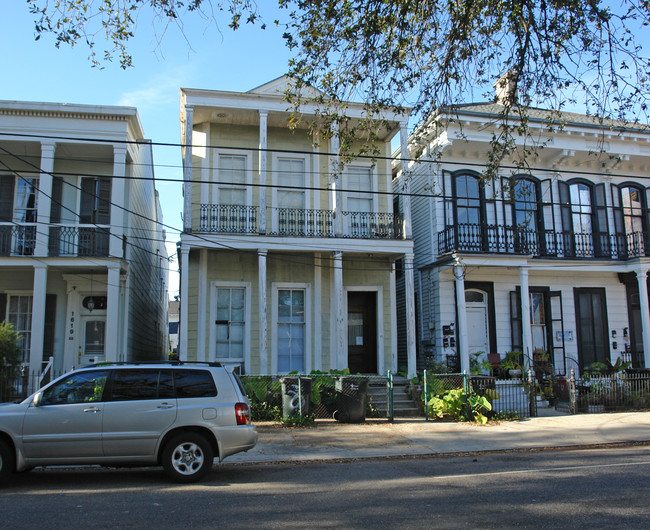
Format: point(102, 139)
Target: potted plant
point(512, 364)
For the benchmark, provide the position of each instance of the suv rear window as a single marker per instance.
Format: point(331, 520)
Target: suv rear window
point(194, 383)
point(127, 385)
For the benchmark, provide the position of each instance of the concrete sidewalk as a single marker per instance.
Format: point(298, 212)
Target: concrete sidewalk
point(330, 440)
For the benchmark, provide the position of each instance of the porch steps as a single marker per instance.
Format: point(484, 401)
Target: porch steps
point(403, 405)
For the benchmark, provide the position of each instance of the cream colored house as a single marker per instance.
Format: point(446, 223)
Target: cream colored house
point(83, 266)
point(286, 264)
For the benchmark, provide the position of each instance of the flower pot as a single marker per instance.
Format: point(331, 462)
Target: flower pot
point(515, 373)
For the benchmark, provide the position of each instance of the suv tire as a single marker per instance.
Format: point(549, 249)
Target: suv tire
point(187, 457)
point(7, 460)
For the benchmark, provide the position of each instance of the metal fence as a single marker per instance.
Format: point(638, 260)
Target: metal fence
point(16, 383)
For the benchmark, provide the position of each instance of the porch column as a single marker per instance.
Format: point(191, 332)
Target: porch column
point(336, 182)
point(318, 312)
point(183, 321)
point(44, 199)
point(406, 177)
point(410, 315)
point(642, 279)
point(263, 158)
point(187, 169)
point(118, 186)
point(38, 319)
point(111, 344)
point(462, 343)
point(526, 330)
point(340, 356)
point(393, 319)
point(202, 307)
point(263, 312)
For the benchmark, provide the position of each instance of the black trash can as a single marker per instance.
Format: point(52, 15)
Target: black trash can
point(293, 400)
point(352, 394)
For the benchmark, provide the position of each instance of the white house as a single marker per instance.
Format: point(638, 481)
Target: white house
point(571, 232)
point(83, 266)
point(286, 263)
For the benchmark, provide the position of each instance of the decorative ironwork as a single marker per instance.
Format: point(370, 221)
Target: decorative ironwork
point(370, 225)
point(79, 241)
point(474, 238)
point(17, 240)
point(228, 219)
point(301, 222)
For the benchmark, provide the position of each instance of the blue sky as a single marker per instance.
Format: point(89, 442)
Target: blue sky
point(213, 59)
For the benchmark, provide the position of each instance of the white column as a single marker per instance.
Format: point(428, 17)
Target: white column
point(406, 177)
point(44, 199)
point(526, 330)
point(187, 169)
point(340, 348)
point(263, 171)
point(336, 182)
point(185, 283)
point(118, 202)
point(463, 337)
point(318, 313)
point(263, 312)
point(642, 279)
point(410, 315)
point(393, 318)
point(202, 307)
point(38, 319)
point(111, 344)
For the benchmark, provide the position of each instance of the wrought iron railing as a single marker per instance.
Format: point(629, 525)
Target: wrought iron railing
point(515, 240)
point(228, 219)
point(79, 241)
point(301, 222)
point(17, 239)
point(371, 225)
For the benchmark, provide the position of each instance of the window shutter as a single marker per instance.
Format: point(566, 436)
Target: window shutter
point(515, 321)
point(104, 202)
point(3, 307)
point(57, 196)
point(565, 206)
point(601, 239)
point(87, 200)
point(7, 183)
point(48, 337)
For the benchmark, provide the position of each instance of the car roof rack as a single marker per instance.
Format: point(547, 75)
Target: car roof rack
point(174, 362)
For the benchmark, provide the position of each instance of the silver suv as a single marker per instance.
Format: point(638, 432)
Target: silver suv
point(178, 415)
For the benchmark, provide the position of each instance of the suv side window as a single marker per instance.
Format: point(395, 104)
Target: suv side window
point(194, 384)
point(129, 385)
point(81, 387)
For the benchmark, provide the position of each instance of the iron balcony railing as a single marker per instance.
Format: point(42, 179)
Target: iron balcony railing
point(228, 219)
point(514, 240)
point(17, 239)
point(299, 222)
point(79, 241)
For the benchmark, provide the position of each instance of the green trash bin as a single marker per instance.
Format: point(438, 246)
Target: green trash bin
point(294, 401)
point(352, 394)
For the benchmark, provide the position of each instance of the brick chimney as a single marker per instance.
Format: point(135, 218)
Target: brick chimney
point(506, 89)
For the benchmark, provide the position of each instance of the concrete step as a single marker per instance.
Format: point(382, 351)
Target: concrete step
point(403, 405)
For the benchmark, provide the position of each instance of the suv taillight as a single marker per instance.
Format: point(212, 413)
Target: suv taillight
point(242, 414)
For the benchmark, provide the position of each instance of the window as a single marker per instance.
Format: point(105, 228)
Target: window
point(291, 202)
point(232, 180)
point(359, 203)
point(127, 385)
point(95, 201)
point(194, 384)
point(230, 323)
point(82, 387)
point(291, 330)
point(20, 315)
point(581, 208)
point(26, 204)
point(468, 200)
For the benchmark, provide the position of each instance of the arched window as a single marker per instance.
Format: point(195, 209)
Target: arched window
point(584, 219)
point(630, 211)
point(469, 212)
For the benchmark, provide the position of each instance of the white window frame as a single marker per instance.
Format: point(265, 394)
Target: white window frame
point(216, 174)
point(212, 350)
point(275, 287)
point(372, 192)
point(275, 171)
point(9, 294)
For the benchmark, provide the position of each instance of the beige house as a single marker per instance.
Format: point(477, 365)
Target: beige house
point(286, 263)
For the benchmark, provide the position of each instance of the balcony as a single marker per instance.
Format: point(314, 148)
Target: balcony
point(298, 222)
point(499, 239)
point(17, 239)
point(79, 241)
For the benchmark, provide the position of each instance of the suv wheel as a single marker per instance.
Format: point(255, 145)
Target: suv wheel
point(7, 460)
point(187, 457)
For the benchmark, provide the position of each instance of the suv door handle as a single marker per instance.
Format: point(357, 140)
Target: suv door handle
point(165, 406)
point(94, 410)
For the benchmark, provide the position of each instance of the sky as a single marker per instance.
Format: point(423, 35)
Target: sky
point(219, 60)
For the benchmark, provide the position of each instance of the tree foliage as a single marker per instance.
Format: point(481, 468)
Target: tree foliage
point(426, 54)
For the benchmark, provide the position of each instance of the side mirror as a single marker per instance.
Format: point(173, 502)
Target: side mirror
point(37, 399)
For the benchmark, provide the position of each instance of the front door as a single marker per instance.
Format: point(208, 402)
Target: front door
point(362, 332)
point(94, 338)
point(591, 324)
point(478, 338)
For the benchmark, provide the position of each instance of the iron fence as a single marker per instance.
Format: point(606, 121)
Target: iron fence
point(16, 382)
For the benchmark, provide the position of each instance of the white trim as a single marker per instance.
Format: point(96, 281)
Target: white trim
point(393, 319)
point(216, 177)
point(214, 285)
point(369, 194)
point(275, 287)
point(379, 316)
point(201, 350)
point(275, 171)
point(318, 300)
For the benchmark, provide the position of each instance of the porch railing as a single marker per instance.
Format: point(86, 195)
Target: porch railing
point(228, 219)
point(17, 239)
point(301, 222)
point(514, 240)
point(77, 240)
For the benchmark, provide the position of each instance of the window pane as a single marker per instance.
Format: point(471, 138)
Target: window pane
point(194, 383)
point(82, 387)
point(134, 384)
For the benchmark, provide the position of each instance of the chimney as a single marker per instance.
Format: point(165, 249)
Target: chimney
point(506, 89)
